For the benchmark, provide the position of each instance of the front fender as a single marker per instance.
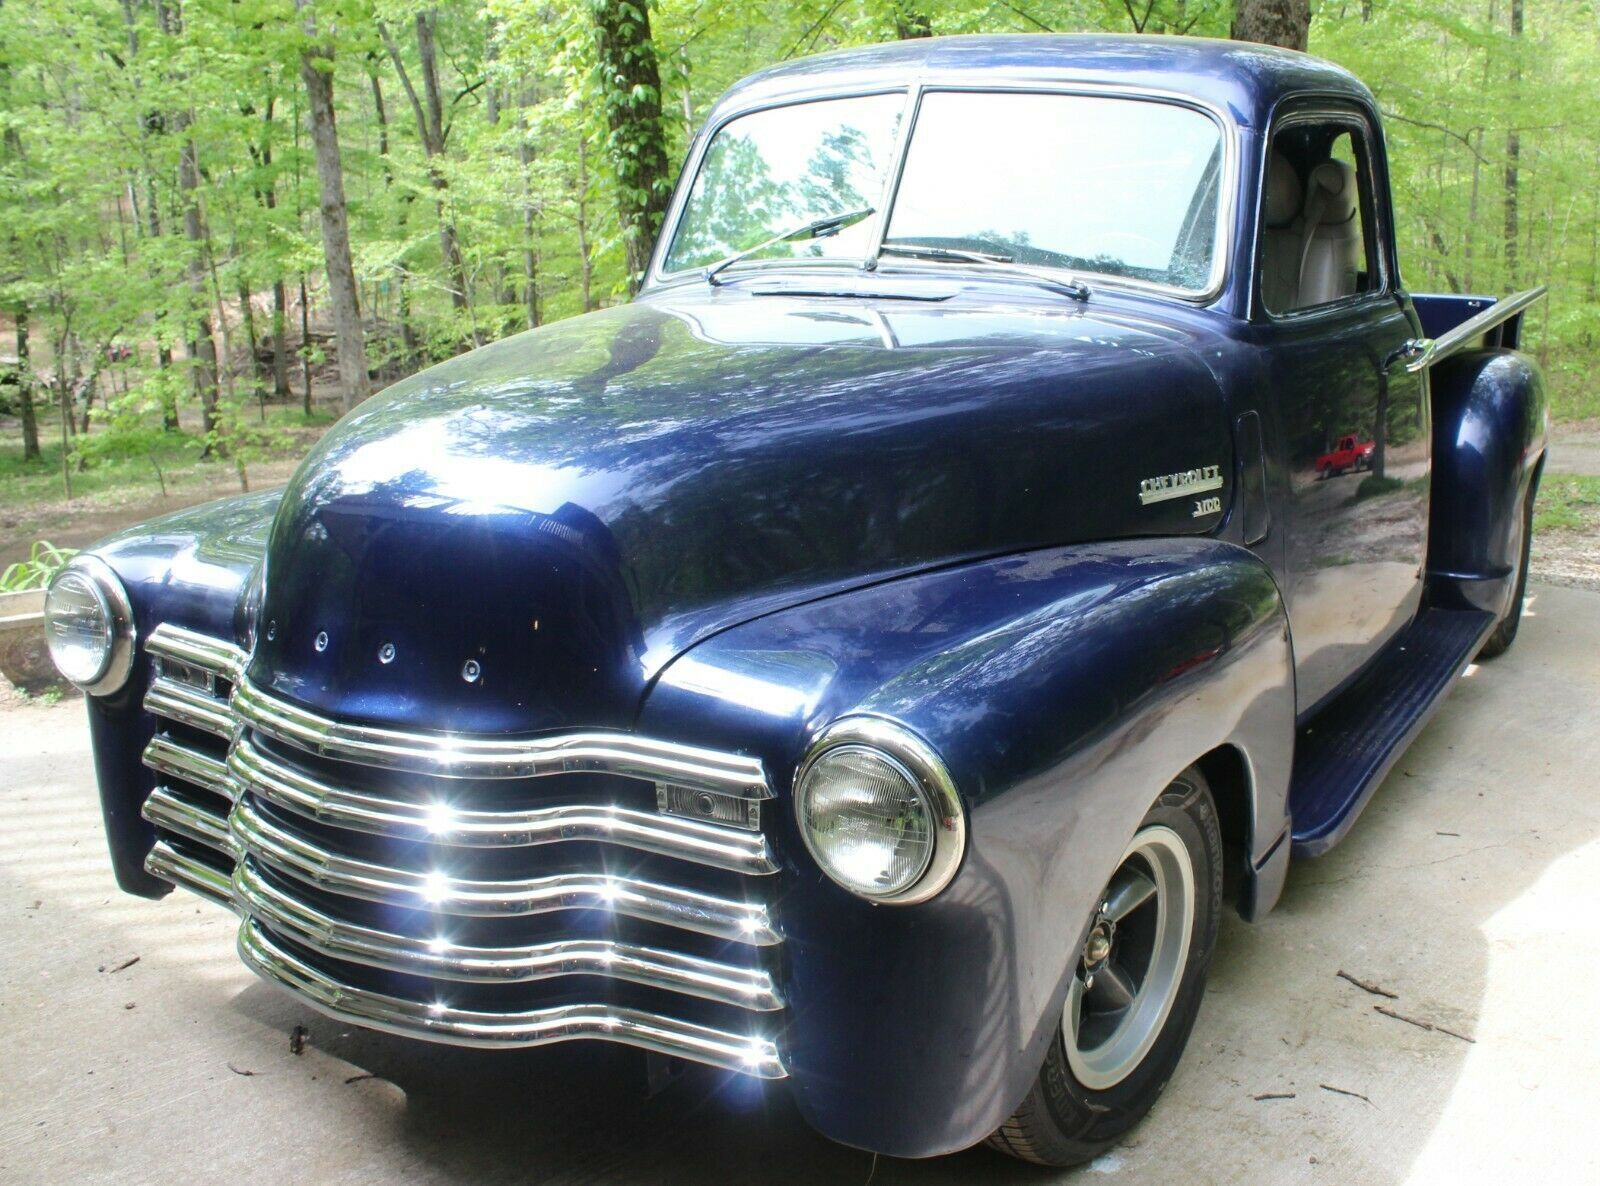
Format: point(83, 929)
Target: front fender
point(1064, 689)
point(191, 567)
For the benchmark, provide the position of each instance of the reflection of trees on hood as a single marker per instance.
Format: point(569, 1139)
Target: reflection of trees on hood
point(765, 456)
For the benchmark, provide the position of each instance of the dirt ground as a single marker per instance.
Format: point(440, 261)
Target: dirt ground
point(1571, 558)
point(138, 1049)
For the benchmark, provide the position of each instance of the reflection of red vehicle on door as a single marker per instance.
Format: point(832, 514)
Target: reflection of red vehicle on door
point(1350, 453)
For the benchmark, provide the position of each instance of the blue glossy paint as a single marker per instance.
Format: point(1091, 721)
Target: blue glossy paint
point(1441, 312)
point(636, 479)
point(1058, 686)
point(1491, 421)
point(191, 567)
point(730, 516)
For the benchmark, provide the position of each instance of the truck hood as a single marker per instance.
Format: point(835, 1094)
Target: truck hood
point(521, 538)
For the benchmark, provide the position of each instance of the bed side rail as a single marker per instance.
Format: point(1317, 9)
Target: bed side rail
point(1500, 323)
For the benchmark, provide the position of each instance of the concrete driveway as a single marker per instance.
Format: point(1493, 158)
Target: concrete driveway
point(1469, 891)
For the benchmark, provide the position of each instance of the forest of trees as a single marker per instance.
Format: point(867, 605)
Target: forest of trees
point(203, 202)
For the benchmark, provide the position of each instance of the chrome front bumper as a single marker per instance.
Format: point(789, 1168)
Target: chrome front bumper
point(348, 889)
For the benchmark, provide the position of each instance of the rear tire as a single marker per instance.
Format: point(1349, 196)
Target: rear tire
point(1153, 934)
point(1505, 633)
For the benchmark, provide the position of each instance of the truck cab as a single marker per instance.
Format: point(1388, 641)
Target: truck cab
point(862, 661)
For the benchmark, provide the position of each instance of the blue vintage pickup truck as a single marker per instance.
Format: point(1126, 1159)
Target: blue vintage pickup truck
point(872, 659)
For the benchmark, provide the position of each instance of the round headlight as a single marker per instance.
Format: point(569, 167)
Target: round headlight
point(88, 626)
point(878, 812)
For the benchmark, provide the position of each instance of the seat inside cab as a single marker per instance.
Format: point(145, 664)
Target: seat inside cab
point(1313, 247)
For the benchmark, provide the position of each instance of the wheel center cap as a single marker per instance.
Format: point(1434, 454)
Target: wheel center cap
point(1098, 946)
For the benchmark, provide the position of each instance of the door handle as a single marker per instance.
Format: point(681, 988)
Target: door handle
point(1414, 353)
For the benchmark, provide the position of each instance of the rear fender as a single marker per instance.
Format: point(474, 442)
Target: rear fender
point(1490, 423)
point(1064, 689)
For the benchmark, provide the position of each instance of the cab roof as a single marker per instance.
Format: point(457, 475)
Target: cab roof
point(1243, 80)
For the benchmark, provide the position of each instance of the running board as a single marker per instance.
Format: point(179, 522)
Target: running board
point(1344, 752)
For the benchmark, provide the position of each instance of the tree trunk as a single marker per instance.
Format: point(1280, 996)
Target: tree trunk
point(305, 343)
point(585, 258)
point(408, 334)
point(910, 22)
point(631, 95)
point(269, 202)
point(1283, 23)
point(530, 257)
point(169, 395)
point(248, 314)
point(1472, 213)
point(30, 419)
point(280, 340)
point(1513, 146)
point(316, 71)
point(201, 347)
point(430, 129)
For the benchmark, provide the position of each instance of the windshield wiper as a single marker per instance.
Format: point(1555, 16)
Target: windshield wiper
point(1063, 284)
point(817, 228)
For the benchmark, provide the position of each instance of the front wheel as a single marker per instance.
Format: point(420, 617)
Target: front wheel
point(1136, 988)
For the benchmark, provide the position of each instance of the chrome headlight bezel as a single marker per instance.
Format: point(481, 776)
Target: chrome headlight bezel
point(117, 663)
point(907, 753)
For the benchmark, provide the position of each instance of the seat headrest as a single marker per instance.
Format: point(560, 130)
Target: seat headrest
point(1335, 181)
point(1283, 192)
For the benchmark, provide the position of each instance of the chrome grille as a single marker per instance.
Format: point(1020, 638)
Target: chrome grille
point(377, 878)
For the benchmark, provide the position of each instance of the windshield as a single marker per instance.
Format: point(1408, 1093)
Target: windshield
point(771, 171)
point(1124, 188)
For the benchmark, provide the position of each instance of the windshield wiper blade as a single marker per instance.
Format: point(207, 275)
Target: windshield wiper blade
point(817, 228)
point(1064, 284)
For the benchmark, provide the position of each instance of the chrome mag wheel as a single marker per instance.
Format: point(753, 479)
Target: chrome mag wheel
point(1133, 959)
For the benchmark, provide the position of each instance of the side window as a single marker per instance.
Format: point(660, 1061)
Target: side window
point(1317, 245)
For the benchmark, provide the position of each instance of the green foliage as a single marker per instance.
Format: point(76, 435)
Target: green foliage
point(43, 562)
point(1567, 502)
point(130, 427)
point(1454, 84)
point(562, 122)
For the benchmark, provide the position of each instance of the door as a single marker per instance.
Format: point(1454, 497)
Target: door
point(1334, 338)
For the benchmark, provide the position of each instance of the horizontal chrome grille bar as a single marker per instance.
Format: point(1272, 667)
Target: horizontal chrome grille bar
point(537, 1027)
point(473, 756)
point(749, 988)
point(176, 760)
point(168, 863)
point(167, 808)
point(189, 706)
point(293, 855)
point(705, 844)
point(239, 831)
point(215, 655)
